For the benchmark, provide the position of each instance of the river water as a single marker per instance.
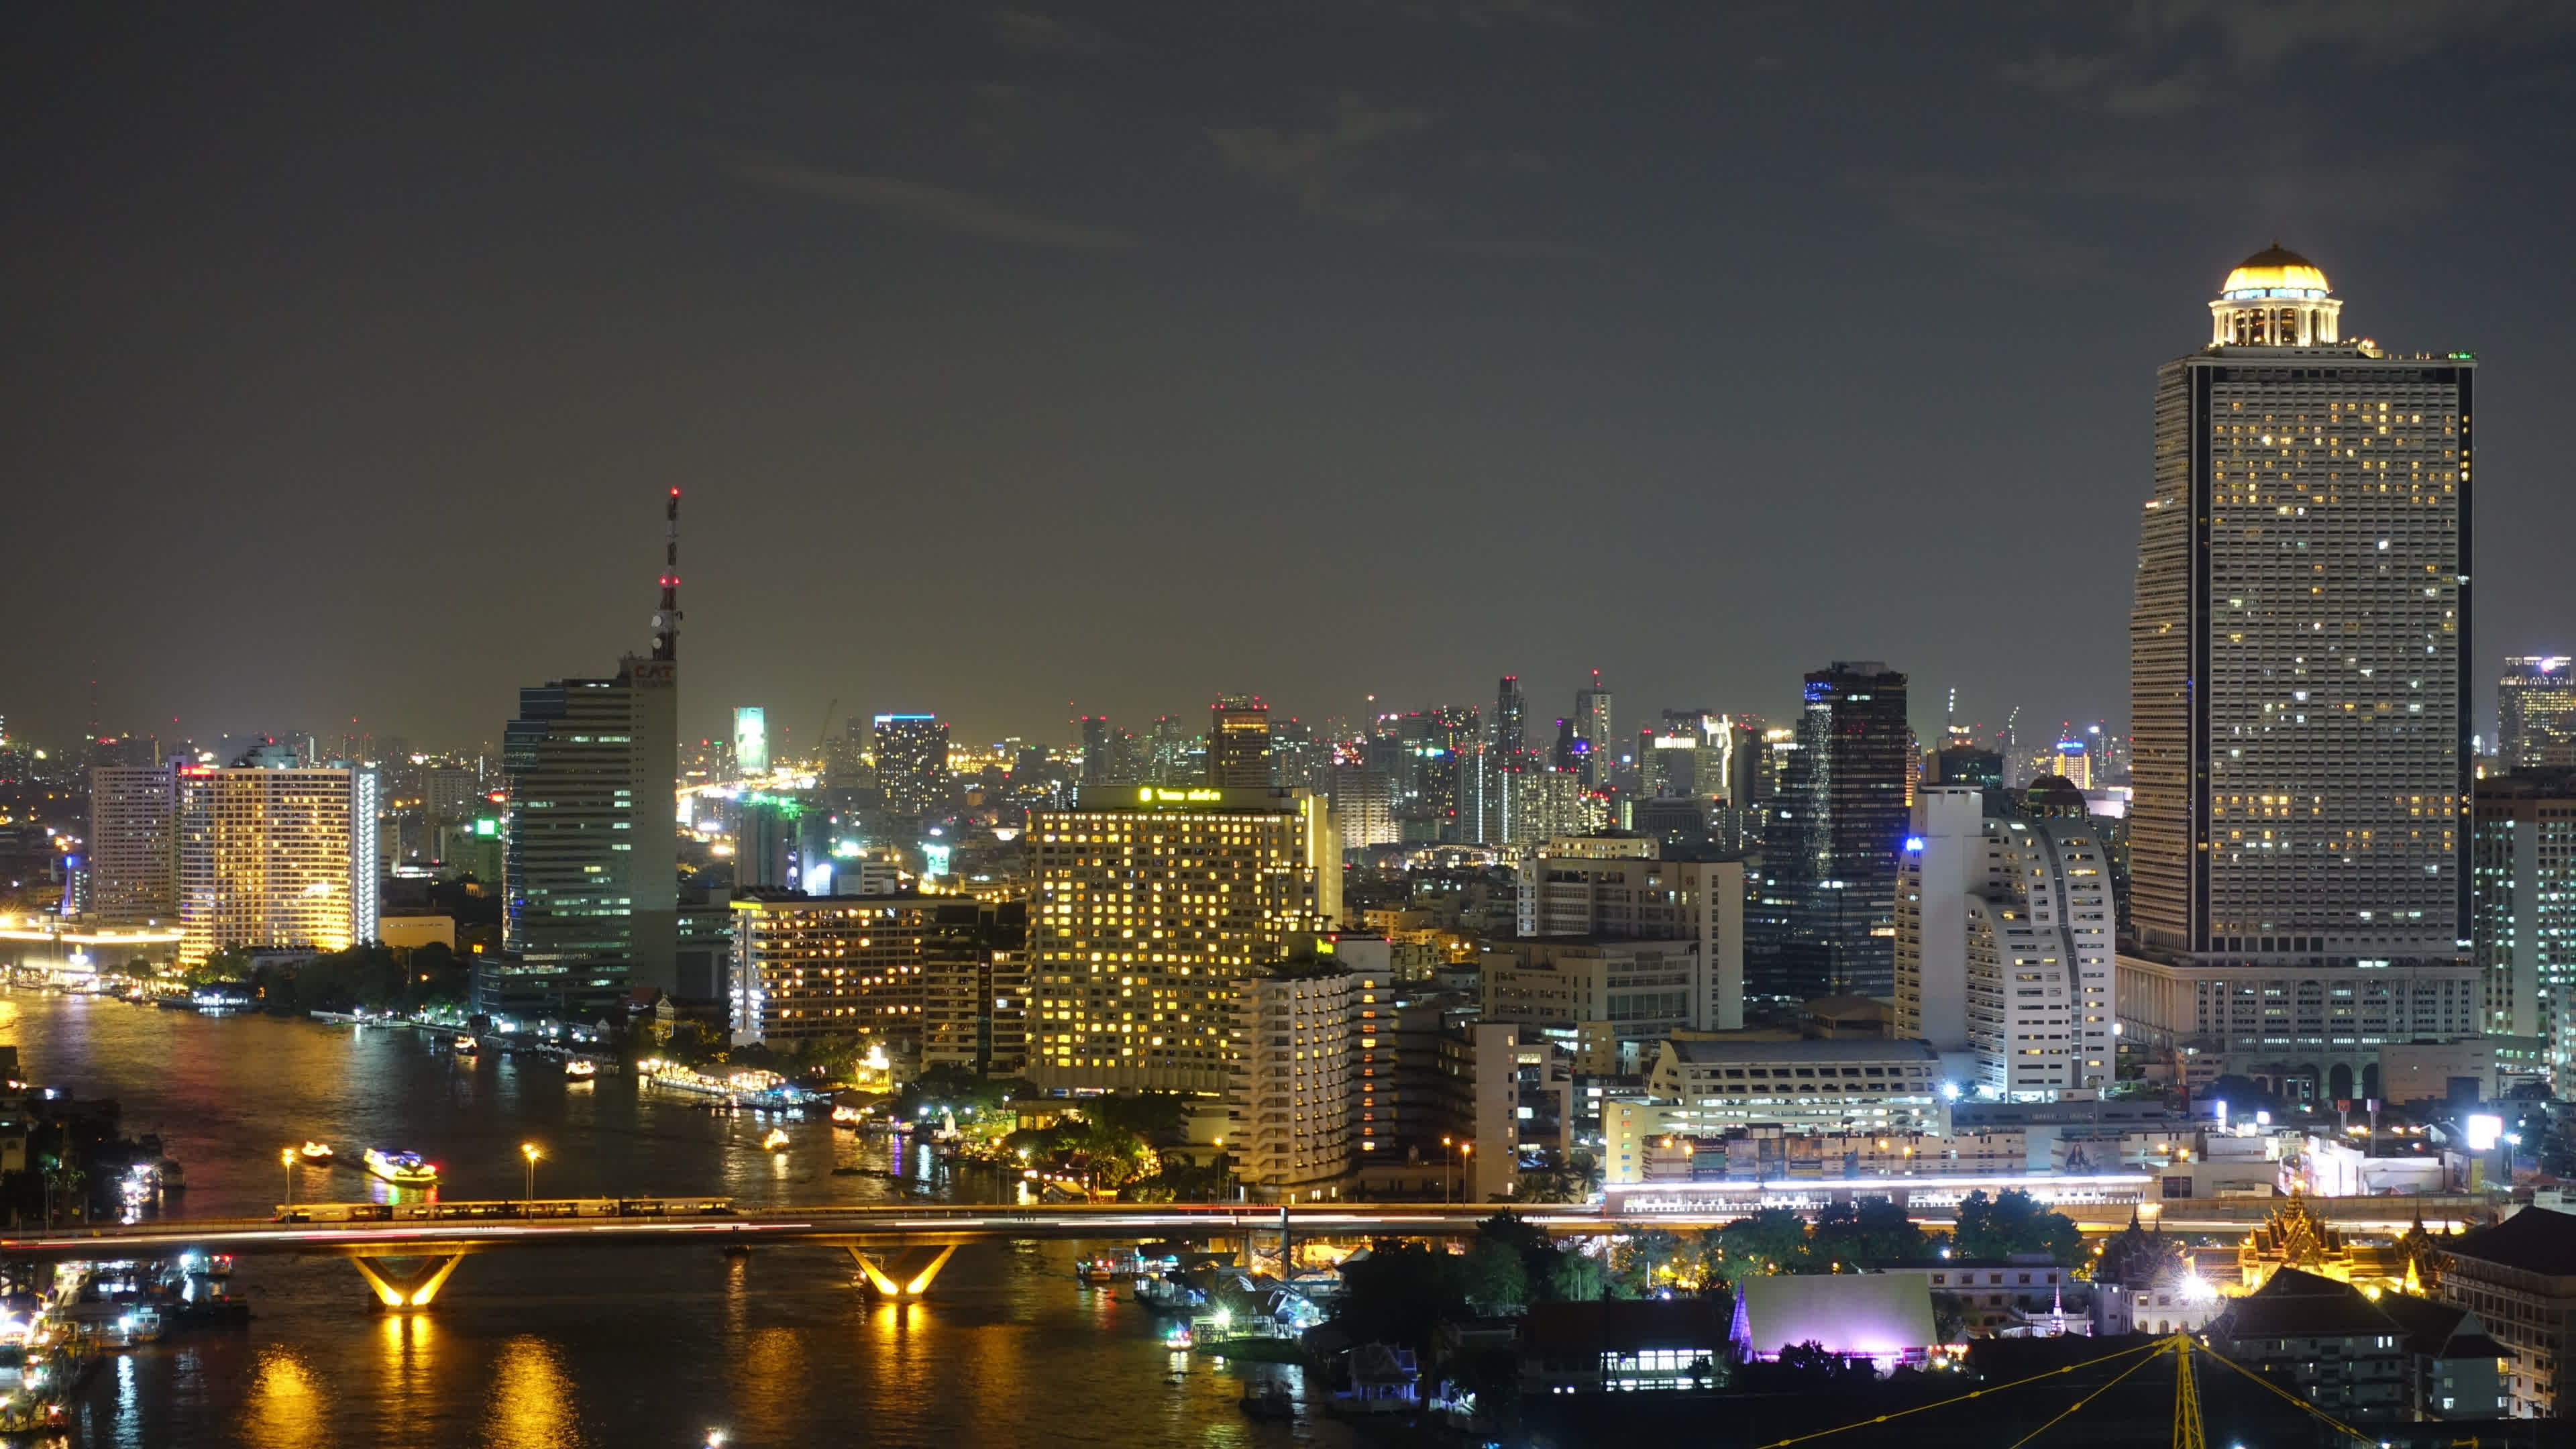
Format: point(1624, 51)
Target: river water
point(584, 1347)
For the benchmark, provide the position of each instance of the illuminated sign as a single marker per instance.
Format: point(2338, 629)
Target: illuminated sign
point(487, 826)
point(1150, 795)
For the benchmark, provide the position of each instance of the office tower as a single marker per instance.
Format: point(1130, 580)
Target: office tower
point(276, 857)
point(765, 854)
point(1960, 762)
point(912, 762)
point(2073, 763)
point(1510, 707)
point(1622, 889)
point(2522, 870)
point(974, 989)
point(132, 846)
point(1593, 728)
point(2300, 747)
point(807, 966)
point(1290, 1102)
point(1167, 754)
point(1300, 759)
point(2004, 944)
point(451, 795)
point(1149, 903)
point(2536, 712)
point(750, 740)
point(1851, 775)
point(590, 853)
point(1100, 752)
point(1364, 808)
point(1238, 755)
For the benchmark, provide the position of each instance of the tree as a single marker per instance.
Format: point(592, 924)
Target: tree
point(1866, 1234)
point(1949, 1318)
point(1773, 1240)
point(1494, 1279)
point(1578, 1278)
point(2014, 1222)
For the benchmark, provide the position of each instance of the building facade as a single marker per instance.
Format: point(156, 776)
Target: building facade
point(819, 966)
point(133, 844)
point(1854, 774)
point(1238, 756)
point(912, 761)
point(2522, 871)
point(1290, 1107)
point(2301, 755)
point(276, 858)
point(1620, 888)
point(1866, 1086)
point(1148, 904)
point(2536, 713)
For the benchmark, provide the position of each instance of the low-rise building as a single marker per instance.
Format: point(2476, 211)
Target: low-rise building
point(2455, 1369)
point(2325, 1340)
point(1860, 1086)
point(2519, 1278)
point(1616, 1344)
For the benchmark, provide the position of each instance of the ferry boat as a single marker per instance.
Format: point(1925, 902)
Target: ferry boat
point(776, 1139)
point(467, 1046)
point(581, 1069)
point(403, 1169)
point(315, 1151)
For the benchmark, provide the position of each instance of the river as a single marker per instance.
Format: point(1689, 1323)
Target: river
point(609, 1348)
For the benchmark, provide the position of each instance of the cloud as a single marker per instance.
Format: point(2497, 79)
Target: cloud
point(917, 203)
point(1322, 167)
point(1489, 14)
point(2259, 34)
point(1035, 30)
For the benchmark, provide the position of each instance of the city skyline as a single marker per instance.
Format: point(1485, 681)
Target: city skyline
point(1271, 274)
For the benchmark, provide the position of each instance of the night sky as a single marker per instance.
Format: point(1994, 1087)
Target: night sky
point(1120, 354)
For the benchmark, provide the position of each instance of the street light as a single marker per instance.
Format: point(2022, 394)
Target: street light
point(1467, 1152)
point(286, 1159)
point(529, 1151)
point(1448, 1170)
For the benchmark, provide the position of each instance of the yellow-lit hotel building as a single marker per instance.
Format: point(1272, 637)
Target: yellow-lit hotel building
point(272, 858)
point(1150, 903)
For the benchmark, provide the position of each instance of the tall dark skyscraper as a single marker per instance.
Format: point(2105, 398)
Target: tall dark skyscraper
point(1510, 710)
point(1843, 826)
point(590, 857)
point(1099, 751)
point(2536, 713)
point(2301, 749)
point(1592, 725)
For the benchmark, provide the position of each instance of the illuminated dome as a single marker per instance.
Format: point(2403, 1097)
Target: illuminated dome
point(2275, 298)
point(2275, 271)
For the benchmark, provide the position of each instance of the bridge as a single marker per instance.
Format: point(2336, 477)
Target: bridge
point(407, 1251)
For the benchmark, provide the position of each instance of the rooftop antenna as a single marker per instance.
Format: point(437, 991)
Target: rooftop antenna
point(666, 619)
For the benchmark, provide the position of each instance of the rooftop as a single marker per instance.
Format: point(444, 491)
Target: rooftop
point(2297, 1304)
point(1861, 1050)
point(2535, 1240)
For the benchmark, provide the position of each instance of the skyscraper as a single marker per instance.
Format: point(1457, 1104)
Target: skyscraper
point(1510, 709)
point(2536, 713)
point(1239, 743)
point(1099, 751)
point(1592, 727)
point(2523, 885)
point(1854, 770)
point(1149, 903)
point(912, 762)
point(132, 845)
point(276, 856)
point(590, 855)
point(2300, 746)
point(750, 740)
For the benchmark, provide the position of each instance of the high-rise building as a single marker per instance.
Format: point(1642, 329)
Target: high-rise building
point(2073, 763)
point(2536, 712)
point(132, 848)
point(1592, 729)
point(912, 762)
point(590, 844)
point(1100, 752)
point(1291, 1124)
point(816, 966)
point(2300, 748)
point(1238, 755)
point(1149, 902)
point(1510, 710)
point(276, 857)
point(2522, 870)
point(1854, 772)
point(2004, 944)
point(1364, 808)
point(750, 740)
point(974, 988)
point(1620, 888)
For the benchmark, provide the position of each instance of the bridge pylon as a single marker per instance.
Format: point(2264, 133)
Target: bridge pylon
point(405, 1289)
point(902, 1275)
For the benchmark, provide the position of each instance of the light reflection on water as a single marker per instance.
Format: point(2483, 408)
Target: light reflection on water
point(598, 1347)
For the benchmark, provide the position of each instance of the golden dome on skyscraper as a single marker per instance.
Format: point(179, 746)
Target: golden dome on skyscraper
point(2275, 271)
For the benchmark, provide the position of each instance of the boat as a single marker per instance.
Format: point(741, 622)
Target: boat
point(467, 1046)
point(1270, 1401)
point(776, 1139)
point(402, 1169)
point(581, 1069)
point(315, 1151)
